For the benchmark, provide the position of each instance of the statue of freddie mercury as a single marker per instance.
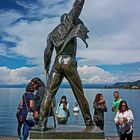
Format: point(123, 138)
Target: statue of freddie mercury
point(64, 39)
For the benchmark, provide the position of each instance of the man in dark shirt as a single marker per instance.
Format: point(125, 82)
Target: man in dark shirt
point(63, 39)
point(39, 86)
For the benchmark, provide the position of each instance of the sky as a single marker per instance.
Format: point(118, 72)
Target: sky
point(114, 39)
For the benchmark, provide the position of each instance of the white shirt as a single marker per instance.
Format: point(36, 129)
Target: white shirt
point(127, 114)
point(60, 111)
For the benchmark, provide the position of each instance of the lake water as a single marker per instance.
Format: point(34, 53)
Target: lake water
point(10, 97)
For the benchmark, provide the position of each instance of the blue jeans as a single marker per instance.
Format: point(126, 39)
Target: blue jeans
point(26, 129)
point(26, 126)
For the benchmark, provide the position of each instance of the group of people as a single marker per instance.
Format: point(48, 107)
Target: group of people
point(123, 115)
point(30, 105)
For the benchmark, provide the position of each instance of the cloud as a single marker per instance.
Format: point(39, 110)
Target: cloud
point(114, 34)
point(24, 75)
point(7, 18)
point(113, 31)
point(32, 38)
point(88, 75)
point(18, 76)
point(2, 49)
point(130, 77)
point(92, 74)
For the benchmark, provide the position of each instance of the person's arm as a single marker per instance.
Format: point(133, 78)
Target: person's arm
point(67, 106)
point(21, 104)
point(48, 54)
point(104, 108)
point(116, 118)
point(129, 118)
point(114, 108)
point(102, 105)
point(76, 10)
point(31, 104)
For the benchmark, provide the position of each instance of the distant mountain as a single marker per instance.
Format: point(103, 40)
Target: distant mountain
point(127, 85)
point(85, 86)
point(13, 86)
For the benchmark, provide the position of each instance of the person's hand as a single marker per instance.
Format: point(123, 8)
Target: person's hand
point(102, 101)
point(64, 107)
point(120, 121)
point(114, 109)
point(125, 120)
point(36, 115)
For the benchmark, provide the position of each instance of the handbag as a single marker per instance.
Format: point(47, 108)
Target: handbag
point(126, 127)
point(30, 115)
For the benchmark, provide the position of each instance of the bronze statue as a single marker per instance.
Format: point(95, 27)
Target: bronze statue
point(63, 39)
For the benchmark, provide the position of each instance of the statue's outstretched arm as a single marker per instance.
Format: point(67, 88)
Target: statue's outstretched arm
point(48, 54)
point(76, 10)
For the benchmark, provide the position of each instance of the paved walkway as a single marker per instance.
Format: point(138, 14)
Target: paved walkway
point(117, 138)
point(15, 138)
point(8, 138)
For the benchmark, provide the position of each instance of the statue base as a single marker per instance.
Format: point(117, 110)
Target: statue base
point(69, 132)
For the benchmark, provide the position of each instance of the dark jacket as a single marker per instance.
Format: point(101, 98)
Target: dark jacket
point(63, 37)
point(38, 97)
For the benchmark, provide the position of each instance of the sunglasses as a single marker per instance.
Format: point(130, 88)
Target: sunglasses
point(123, 105)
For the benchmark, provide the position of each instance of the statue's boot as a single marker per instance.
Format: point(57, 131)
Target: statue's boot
point(42, 125)
point(89, 122)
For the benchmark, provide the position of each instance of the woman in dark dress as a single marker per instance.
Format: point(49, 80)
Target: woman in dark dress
point(99, 106)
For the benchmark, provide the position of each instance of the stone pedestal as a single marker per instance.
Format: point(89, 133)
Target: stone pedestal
point(69, 132)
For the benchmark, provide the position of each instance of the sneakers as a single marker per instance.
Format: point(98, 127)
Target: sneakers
point(19, 138)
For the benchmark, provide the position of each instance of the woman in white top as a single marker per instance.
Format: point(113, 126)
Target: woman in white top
point(124, 118)
point(62, 111)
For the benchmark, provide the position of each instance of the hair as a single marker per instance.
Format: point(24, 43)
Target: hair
point(116, 92)
point(63, 97)
point(98, 95)
point(123, 101)
point(38, 81)
point(29, 87)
